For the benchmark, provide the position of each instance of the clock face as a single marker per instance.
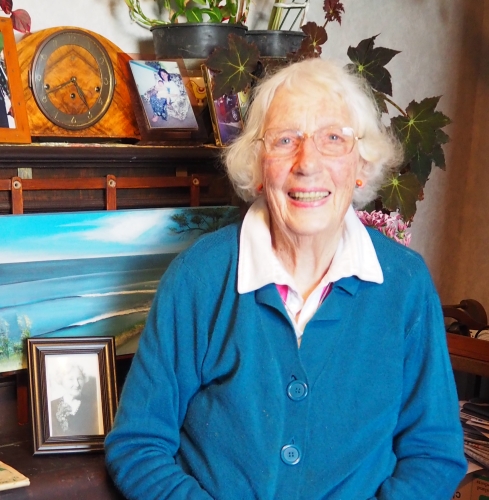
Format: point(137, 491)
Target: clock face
point(72, 79)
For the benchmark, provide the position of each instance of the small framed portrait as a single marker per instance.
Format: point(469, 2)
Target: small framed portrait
point(14, 125)
point(163, 101)
point(225, 112)
point(73, 392)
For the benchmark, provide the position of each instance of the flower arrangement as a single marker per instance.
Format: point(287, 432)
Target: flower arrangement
point(21, 20)
point(392, 225)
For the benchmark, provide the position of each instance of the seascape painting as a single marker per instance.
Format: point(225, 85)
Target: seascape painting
point(89, 273)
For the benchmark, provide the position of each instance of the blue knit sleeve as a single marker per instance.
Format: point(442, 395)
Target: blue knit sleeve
point(428, 441)
point(164, 375)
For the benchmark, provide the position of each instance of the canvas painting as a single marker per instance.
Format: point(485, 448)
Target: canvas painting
point(89, 273)
point(163, 95)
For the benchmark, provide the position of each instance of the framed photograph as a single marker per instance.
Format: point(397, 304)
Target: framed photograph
point(73, 393)
point(14, 125)
point(225, 112)
point(163, 103)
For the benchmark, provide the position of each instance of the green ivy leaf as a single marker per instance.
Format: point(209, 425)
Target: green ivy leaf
point(401, 193)
point(369, 62)
point(421, 127)
point(233, 65)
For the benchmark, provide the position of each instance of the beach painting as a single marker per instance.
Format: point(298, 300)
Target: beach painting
point(89, 273)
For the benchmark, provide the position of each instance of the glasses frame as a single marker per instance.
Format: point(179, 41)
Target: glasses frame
point(303, 136)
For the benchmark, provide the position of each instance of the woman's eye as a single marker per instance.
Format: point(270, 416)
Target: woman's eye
point(284, 141)
point(334, 138)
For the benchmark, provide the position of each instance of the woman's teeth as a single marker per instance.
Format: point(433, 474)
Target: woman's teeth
point(309, 196)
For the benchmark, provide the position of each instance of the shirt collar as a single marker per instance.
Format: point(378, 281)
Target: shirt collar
point(258, 265)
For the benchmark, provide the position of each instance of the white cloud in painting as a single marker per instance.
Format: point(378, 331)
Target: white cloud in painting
point(125, 230)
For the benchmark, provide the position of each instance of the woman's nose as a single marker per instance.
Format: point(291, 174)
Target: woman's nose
point(307, 157)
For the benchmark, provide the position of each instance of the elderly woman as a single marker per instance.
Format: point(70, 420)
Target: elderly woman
point(75, 412)
point(297, 355)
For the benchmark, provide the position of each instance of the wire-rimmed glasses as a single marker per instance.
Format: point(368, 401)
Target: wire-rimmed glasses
point(334, 140)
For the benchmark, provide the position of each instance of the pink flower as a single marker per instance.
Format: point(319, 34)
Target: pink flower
point(391, 225)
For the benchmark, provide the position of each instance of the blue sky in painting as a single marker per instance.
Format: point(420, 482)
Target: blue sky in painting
point(27, 238)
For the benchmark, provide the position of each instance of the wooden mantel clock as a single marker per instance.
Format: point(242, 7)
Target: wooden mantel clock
point(76, 84)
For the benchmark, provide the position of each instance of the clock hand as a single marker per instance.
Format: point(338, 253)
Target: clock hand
point(59, 87)
point(81, 94)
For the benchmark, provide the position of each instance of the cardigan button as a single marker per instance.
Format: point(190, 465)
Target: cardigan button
point(297, 390)
point(290, 454)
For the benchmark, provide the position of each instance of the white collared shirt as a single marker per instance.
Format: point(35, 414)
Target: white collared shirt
point(259, 266)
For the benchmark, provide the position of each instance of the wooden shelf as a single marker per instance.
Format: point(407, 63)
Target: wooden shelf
point(68, 161)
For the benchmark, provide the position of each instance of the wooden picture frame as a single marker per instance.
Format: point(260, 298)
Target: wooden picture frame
point(14, 124)
point(166, 122)
point(73, 392)
point(225, 110)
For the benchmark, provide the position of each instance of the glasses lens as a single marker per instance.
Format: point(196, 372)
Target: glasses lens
point(282, 142)
point(334, 141)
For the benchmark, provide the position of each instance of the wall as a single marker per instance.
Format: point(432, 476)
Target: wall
point(443, 46)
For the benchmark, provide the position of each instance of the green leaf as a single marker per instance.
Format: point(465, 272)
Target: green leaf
point(215, 14)
point(194, 15)
point(420, 128)
point(420, 165)
point(401, 193)
point(380, 101)
point(369, 62)
point(234, 65)
point(201, 2)
point(1, 42)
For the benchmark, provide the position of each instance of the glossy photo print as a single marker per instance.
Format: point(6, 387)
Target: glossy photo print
point(163, 95)
point(89, 273)
point(225, 111)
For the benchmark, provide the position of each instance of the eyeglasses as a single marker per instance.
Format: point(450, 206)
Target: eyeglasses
point(329, 141)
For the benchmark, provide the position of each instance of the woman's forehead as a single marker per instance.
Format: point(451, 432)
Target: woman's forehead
point(298, 109)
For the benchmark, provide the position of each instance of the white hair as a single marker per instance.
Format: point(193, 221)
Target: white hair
point(380, 150)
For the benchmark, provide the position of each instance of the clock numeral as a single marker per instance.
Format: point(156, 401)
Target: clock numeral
point(106, 81)
point(55, 43)
point(56, 115)
point(43, 57)
point(73, 120)
point(101, 61)
point(89, 114)
point(38, 78)
point(72, 38)
point(100, 101)
point(44, 98)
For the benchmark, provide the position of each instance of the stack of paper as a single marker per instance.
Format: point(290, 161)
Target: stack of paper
point(10, 478)
point(475, 422)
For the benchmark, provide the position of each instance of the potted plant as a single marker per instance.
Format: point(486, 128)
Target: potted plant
point(419, 126)
point(283, 34)
point(191, 28)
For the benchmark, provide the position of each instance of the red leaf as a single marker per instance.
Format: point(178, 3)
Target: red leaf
point(21, 21)
point(333, 9)
point(6, 6)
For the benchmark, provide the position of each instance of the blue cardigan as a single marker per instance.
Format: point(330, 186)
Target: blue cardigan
point(221, 403)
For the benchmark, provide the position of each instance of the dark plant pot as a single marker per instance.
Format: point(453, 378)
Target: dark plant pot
point(192, 40)
point(275, 43)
